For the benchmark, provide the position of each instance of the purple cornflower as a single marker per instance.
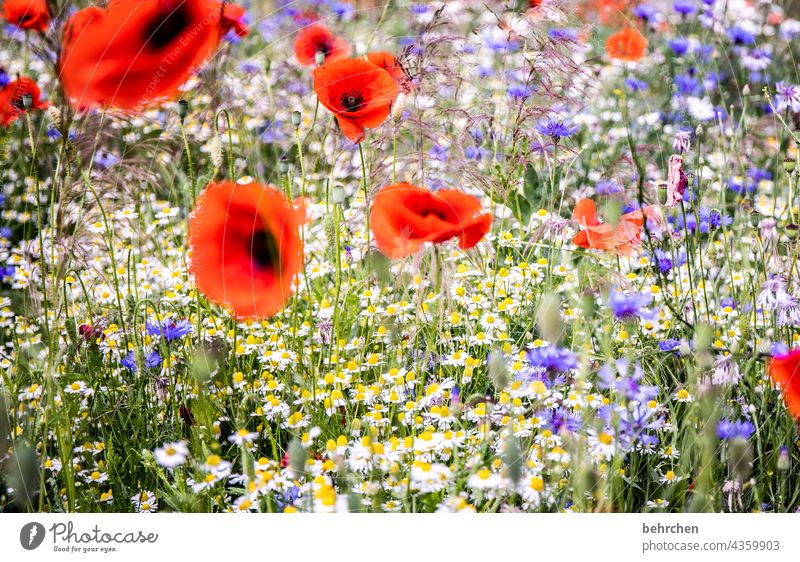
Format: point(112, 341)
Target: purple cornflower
point(556, 128)
point(169, 329)
point(627, 307)
point(552, 358)
point(737, 429)
point(756, 60)
point(787, 96)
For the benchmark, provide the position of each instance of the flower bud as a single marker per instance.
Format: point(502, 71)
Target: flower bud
point(27, 101)
point(740, 459)
point(792, 230)
point(215, 148)
point(283, 165)
point(54, 114)
point(297, 457)
point(783, 459)
point(746, 90)
point(361, 49)
point(338, 195)
point(789, 164)
point(498, 371)
point(755, 218)
point(296, 118)
point(183, 109)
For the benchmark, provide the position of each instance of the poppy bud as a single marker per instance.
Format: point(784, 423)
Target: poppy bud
point(746, 90)
point(512, 456)
point(399, 105)
point(27, 101)
point(283, 165)
point(319, 58)
point(783, 459)
point(54, 115)
point(297, 457)
point(699, 130)
point(792, 230)
point(215, 150)
point(498, 371)
point(296, 118)
point(183, 109)
point(789, 165)
point(755, 218)
point(338, 194)
point(740, 459)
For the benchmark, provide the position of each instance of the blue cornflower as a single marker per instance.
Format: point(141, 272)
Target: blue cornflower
point(556, 128)
point(287, 497)
point(627, 307)
point(644, 11)
point(684, 7)
point(625, 382)
point(563, 34)
point(169, 329)
point(270, 132)
point(476, 152)
point(105, 160)
point(740, 36)
point(342, 9)
point(737, 429)
point(607, 187)
point(552, 358)
point(669, 344)
point(4, 79)
point(562, 418)
point(635, 85)
point(151, 361)
point(687, 85)
point(418, 8)
point(519, 91)
point(438, 152)
point(679, 46)
point(663, 260)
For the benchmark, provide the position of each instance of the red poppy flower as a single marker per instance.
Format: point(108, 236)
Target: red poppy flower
point(137, 53)
point(233, 17)
point(246, 247)
point(27, 14)
point(628, 45)
point(622, 238)
point(359, 93)
point(317, 39)
point(785, 371)
point(390, 64)
point(12, 106)
point(403, 217)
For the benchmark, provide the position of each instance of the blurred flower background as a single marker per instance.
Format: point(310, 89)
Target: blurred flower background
point(399, 256)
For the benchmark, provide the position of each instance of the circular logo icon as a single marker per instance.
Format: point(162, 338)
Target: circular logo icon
point(31, 535)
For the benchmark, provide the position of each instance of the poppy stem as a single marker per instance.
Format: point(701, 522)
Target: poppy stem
point(366, 197)
point(189, 161)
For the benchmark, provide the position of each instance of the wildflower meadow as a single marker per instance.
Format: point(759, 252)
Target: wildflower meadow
point(397, 256)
